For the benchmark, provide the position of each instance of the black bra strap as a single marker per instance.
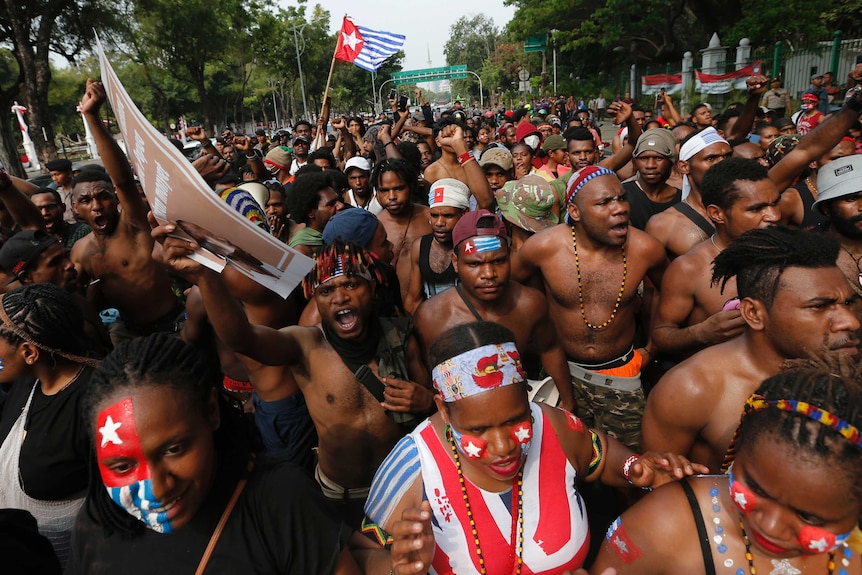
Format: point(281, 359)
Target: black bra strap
point(705, 549)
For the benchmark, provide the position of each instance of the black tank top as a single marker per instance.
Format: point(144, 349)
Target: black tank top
point(432, 282)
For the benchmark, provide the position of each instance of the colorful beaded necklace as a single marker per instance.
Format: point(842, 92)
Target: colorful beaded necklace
point(750, 557)
point(581, 294)
point(517, 520)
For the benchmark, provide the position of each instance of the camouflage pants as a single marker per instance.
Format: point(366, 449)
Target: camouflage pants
point(613, 404)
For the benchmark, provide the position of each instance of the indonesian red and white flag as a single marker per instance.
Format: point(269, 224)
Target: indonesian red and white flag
point(366, 48)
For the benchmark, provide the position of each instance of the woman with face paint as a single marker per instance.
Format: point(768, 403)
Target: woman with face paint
point(791, 500)
point(489, 483)
point(176, 489)
point(43, 445)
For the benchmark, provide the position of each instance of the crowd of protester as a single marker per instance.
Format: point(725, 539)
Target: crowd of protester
point(512, 331)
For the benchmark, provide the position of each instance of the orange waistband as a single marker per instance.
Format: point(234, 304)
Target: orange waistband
point(631, 369)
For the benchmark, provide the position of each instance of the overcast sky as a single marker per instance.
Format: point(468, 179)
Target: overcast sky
point(424, 23)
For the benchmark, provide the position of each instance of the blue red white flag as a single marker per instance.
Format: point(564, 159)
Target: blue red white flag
point(366, 48)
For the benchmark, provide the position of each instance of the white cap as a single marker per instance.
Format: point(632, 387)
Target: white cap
point(358, 162)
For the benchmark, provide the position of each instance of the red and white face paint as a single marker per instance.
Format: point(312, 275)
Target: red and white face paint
point(470, 445)
point(522, 434)
point(818, 540)
point(129, 484)
point(743, 497)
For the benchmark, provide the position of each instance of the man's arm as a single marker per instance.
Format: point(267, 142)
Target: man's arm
point(116, 163)
point(414, 291)
point(477, 182)
point(818, 141)
point(756, 86)
point(21, 208)
point(676, 411)
point(263, 344)
point(554, 358)
point(622, 113)
point(668, 111)
point(246, 146)
point(670, 332)
point(385, 139)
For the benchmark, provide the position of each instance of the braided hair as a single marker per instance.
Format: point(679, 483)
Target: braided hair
point(164, 361)
point(758, 258)
point(829, 383)
point(47, 316)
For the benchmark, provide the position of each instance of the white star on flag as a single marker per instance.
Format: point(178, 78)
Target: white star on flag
point(819, 545)
point(472, 449)
point(740, 500)
point(350, 39)
point(109, 432)
point(523, 434)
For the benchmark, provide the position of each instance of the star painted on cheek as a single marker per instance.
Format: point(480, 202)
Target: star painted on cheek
point(740, 499)
point(819, 545)
point(523, 433)
point(472, 450)
point(109, 432)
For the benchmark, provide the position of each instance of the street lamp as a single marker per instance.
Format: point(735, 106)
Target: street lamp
point(299, 63)
point(554, 40)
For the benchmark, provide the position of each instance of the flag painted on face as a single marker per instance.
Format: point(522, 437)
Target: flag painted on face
point(365, 47)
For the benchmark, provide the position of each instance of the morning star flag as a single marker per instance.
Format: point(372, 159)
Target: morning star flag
point(366, 48)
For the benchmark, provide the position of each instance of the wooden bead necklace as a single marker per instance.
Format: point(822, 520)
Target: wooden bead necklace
point(581, 294)
point(750, 557)
point(517, 520)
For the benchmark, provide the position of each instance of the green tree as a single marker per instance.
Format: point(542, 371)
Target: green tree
point(35, 29)
point(472, 40)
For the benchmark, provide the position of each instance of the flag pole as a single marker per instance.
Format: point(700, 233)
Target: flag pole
point(331, 69)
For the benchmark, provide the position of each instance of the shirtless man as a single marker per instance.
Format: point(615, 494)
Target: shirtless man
point(591, 270)
point(840, 198)
point(431, 257)
point(395, 181)
point(355, 433)
point(686, 224)
point(795, 302)
point(484, 293)
point(739, 196)
point(118, 256)
point(457, 161)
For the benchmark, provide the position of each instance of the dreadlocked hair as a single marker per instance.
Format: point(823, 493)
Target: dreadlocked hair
point(353, 259)
point(789, 405)
point(163, 361)
point(758, 258)
point(47, 314)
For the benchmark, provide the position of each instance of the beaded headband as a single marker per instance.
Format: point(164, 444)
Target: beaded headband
point(759, 403)
point(478, 370)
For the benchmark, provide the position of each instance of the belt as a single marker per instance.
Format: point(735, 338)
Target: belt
point(604, 380)
point(332, 490)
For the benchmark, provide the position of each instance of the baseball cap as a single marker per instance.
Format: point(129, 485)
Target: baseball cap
point(656, 140)
point(527, 203)
point(498, 157)
point(836, 179)
point(301, 138)
point(359, 163)
point(809, 97)
point(22, 249)
point(816, 75)
point(351, 225)
point(467, 226)
point(555, 142)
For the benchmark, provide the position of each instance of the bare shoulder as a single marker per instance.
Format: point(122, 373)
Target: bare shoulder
point(531, 300)
point(84, 249)
point(545, 241)
point(639, 543)
point(662, 223)
point(644, 244)
point(696, 261)
point(697, 379)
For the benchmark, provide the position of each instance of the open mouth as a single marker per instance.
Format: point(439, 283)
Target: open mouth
point(100, 222)
point(346, 319)
point(620, 229)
